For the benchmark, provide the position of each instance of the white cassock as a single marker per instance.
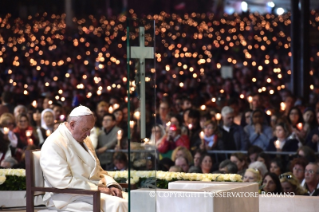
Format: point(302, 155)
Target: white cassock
point(66, 164)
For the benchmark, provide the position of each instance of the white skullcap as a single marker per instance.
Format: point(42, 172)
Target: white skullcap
point(81, 111)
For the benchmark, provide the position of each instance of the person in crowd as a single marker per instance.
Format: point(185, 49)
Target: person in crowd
point(246, 118)
point(281, 141)
point(182, 151)
point(120, 161)
point(19, 109)
point(175, 169)
point(171, 140)
point(101, 110)
point(296, 121)
point(5, 150)
point(182, 163)
point(258, 132)
point(6, 106)
point(211, 137)
point(276, 166)
point(194, 129)
point(253, 152)
point(165, 164)
point(309, 120)
point(176, 119)
point(206, 164)
point(197, 157)
point(307, 153)
point(290, 184)
point(158, 133)
point(69, 152)
point(26, 133)
point(8, 162)
point(311, 181)
point(7, 121)
point(261, 167)
point(264, 158)
point(271, 184)
point(252, 175)
point(107, 140)
point(57, 110)
point(232, 135)
point(163, 115)
point(228, 167)
point(47, 119)
point(313, 137)
point(241, 162)
point(297, 167)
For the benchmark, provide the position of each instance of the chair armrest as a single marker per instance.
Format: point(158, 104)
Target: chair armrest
point(125, 185)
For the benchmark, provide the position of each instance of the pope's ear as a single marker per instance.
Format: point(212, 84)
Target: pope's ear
point(72, 123)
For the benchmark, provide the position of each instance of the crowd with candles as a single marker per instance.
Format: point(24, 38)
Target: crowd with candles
point(192, 109)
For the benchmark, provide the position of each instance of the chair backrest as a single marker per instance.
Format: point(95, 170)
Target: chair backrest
point(33, 167)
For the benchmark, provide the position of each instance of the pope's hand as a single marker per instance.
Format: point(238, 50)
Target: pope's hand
point(105, 190)
point(116, 192)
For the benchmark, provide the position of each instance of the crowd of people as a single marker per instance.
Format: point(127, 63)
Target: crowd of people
point(219, 83)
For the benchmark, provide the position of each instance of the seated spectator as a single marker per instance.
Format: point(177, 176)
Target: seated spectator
point(7, 120)
point(206, 164)
point(183, 163)
point(259, 133)
point(297, 167)
point(228, 167)
point(276, 166)
point(182, 151)
point(290, 184)
point(263, 157)
point(171, 140)
point(241, 162)
point(253, 152)
point(8, 162)
point(19, 109)
point(261, 167)
point(158, 133)
point(311, 181)
point(252, 175)
point(165, 164)
point(197, 157)
point(120, 161)
point(307, 153)
point(281, 141)
point(295, 118)
point(271, 184)
point(175, 169)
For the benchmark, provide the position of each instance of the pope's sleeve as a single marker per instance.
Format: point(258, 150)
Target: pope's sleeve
point(56, 169)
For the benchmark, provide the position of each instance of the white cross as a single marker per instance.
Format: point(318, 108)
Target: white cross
point(141, 52)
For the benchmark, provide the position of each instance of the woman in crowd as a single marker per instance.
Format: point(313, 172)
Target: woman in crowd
point(281, 141)
point(271, 184)
point(211, 137)
point(297, 167)
point(290, 184)
point(307, 153)
point(240, 160)
point(158, 132)
point(182, 151)
point(261, 167)
point(296, 122)
point(309, 118)
point(252, 175)
point(264, 158)
point(276, 166)
point(206, 164)
point(259, 133)
point(7, 121)
point(26, 133)
point(47, 119)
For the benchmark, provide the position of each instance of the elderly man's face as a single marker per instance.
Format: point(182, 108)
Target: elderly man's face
point(311, 173)
point(228, 119)
point(81, 127)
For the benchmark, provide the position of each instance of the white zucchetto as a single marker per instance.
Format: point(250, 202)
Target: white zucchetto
point(81, 111)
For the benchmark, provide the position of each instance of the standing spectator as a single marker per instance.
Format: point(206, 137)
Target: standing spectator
point(211, 136)
point(233, 135)
point(163, 117)
point(259, 132)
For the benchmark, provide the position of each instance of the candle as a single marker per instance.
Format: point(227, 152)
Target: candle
point(299, 126)
point(34, 104)
point(250, 100)
point(119, 137)
point(5, 130)
point(190, 126)
point(48, 132)
point(202, 135)
point(110, 109)
point(115, 106)
point(168, 124)
point(28, 133)
point(132, 123)
point(268, 112)
point(137, 115)
point(203, 107)
point(30, 141)
point(277, 144)
point(62, 117)
point(218, 116)
point(282, 106)
point(146, 140)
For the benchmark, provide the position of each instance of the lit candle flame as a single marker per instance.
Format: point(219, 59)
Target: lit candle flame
point(277, 144)
point(299, 126)
point(203, 107)
point(111, 109)
point(34, 103)
point(190, 126)
point(115, 106)
point(62, 117)
point(30, 141)
point(132, 123)
point(28, 133)
point(48, 133)
point(5, 130)
point(282, 106)
point(137, 115)
point(202, 135)
point(218, 116)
